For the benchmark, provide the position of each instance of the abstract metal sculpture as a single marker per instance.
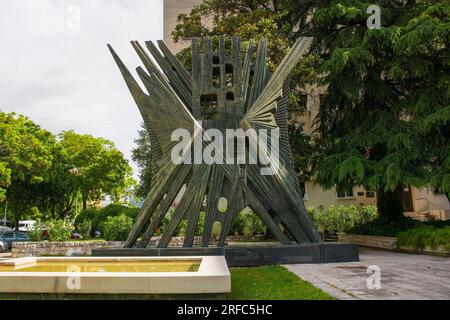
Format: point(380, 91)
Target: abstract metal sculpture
point(224, 91)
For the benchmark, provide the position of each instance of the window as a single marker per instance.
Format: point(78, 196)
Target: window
point(216, 77)
point(229, 75)
point(216, 59)
point(303, 189)
point(303, 101)
point(370, 194)
point(208, 104)
point(230, 96)
point(344, 193)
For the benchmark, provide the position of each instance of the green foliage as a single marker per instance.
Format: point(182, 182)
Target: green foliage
point(117, 228)
point(85, 228)
point(141, 154)
point(341, 219)
point(423, 236)
point(247, 223)
point(217, 228)
point(28, 161)
point(98, 167)
point(58, 230)
point(42, 177)
point(385, 227)
point(97, 217)
point(36, 233)
point(379, 126)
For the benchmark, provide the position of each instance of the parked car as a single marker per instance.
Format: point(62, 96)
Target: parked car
point(27, 225)
point(97, 234)
point(13, 236)
point(2, 228)
point(76, 235)
point(3, 246)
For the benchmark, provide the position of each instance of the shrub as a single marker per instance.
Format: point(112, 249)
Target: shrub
point(238, 225)
point(36, 233)
point(341, 219)
point(99, 216)
point(217, 228)
point(423, 236)
point(247, 223)
point(117, 228)
point(59, 230)
point(385, 227)
point(85, 228)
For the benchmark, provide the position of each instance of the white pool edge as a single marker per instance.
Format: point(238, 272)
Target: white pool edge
point(213, 276)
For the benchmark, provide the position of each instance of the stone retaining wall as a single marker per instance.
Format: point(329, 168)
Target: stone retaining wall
point(389, 244)
point(84, 248)
point(46, 248)
point(369, 241)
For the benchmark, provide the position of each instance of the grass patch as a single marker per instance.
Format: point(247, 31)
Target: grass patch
point(271, 283)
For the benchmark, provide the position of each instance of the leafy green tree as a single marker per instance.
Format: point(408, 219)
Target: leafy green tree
point(141, 154)
point(97, 166)
point(28, 157)
point(384, 122)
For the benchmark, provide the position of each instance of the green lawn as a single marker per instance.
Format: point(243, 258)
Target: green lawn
point(272, 283)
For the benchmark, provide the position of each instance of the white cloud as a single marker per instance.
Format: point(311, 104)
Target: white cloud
point(56, 69)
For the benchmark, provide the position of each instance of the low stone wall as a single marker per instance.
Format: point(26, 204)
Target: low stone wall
point(46, 248)
point(369, 241)
point(389, 243)
point(84, 248)
point(440, 250)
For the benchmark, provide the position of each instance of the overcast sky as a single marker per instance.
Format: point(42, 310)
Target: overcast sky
point(55, 67)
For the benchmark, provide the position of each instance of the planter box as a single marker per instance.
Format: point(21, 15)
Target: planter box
point(388, 243)
point(369, 241)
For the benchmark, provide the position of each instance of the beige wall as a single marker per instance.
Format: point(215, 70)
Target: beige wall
point(316, 196)
point(425, 200)
point(172, 8)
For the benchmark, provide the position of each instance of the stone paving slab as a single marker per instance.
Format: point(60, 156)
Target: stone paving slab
point(404, 276)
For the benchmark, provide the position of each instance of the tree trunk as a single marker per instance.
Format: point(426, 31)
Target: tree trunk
point(67, 209)
point(389, 204)
point(84, 196)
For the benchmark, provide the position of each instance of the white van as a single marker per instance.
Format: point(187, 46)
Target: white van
point(27, 225)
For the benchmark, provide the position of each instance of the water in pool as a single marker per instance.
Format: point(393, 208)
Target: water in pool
point(108, 266)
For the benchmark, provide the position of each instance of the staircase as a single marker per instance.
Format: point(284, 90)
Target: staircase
point(436, 214)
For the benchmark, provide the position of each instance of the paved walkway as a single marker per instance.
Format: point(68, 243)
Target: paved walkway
point(403, 276)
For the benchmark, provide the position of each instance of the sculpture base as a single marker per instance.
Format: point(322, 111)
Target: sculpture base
point(251, 256)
